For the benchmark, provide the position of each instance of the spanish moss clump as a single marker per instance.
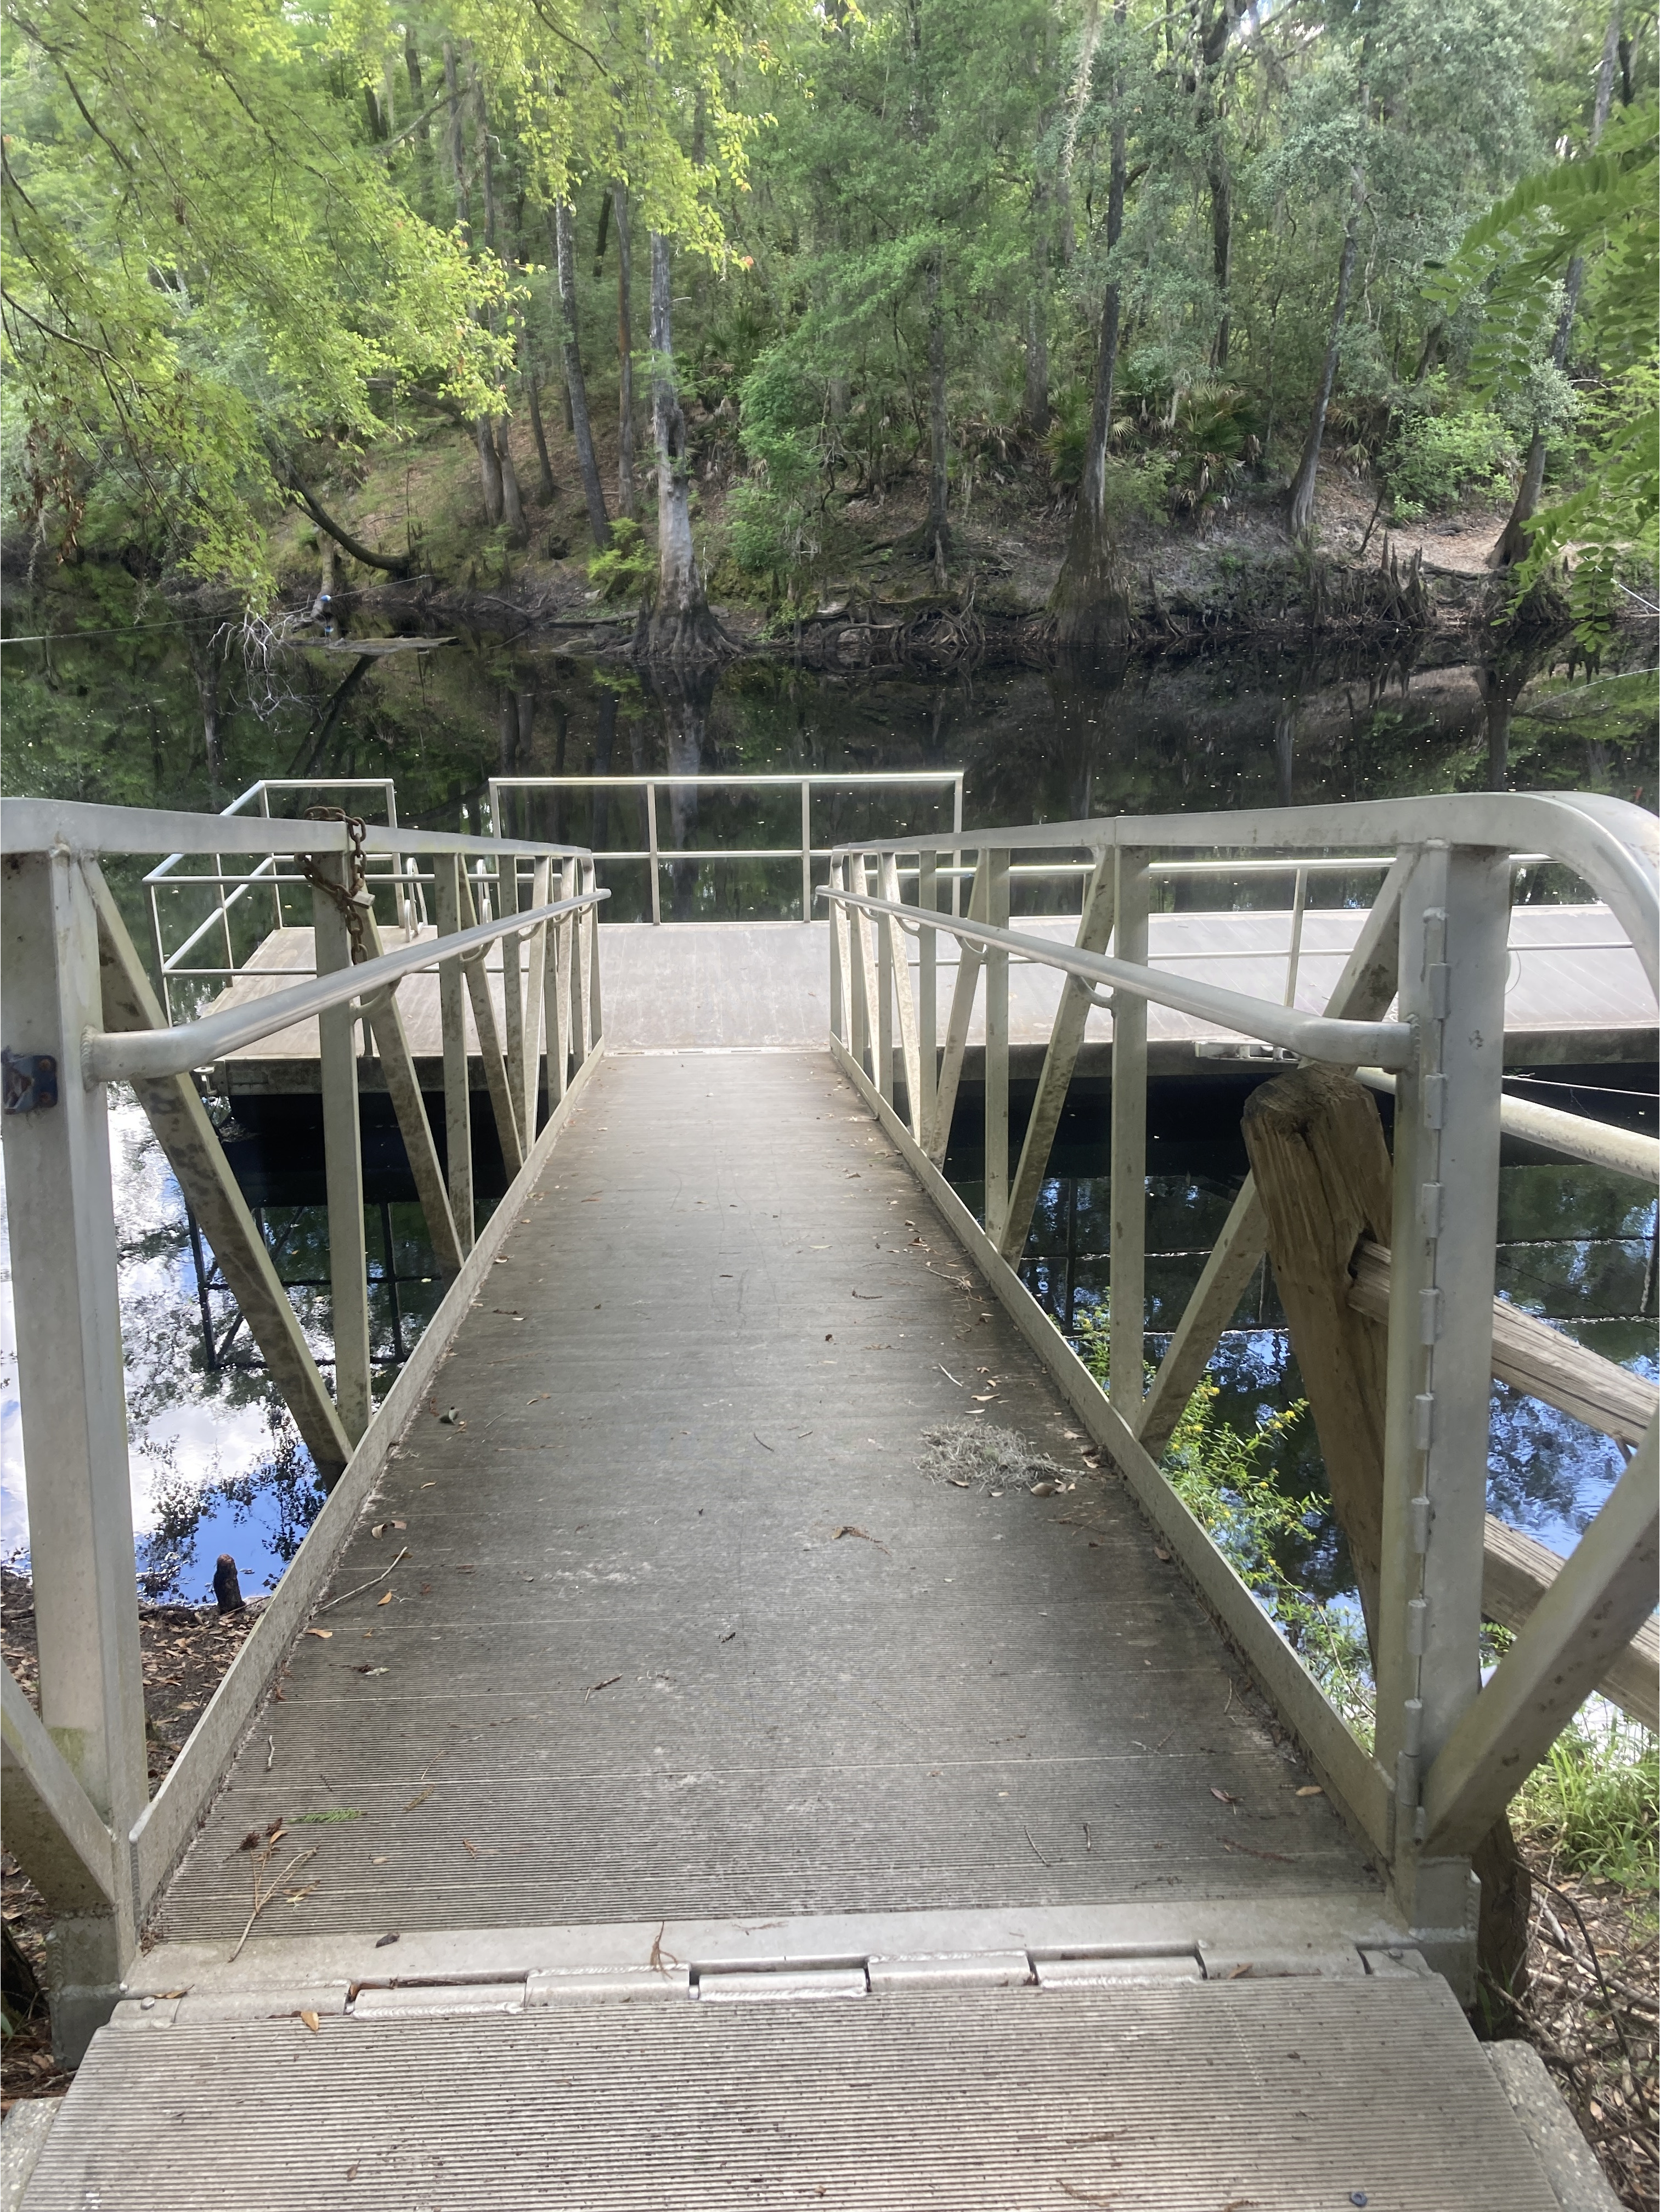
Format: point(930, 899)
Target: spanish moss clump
point(976, 1457)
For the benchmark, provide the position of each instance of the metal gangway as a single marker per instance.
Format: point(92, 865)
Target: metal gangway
point(1360, 1937)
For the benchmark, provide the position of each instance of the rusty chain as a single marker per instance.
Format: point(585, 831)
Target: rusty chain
point(353, 902)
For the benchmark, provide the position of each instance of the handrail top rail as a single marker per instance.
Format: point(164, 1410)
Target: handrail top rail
point(36, 825)
point(939, 775)
point(118, 1055)
point(1452, 817)
point(1611, 844)
point(387, 783)
point(1316, 1036)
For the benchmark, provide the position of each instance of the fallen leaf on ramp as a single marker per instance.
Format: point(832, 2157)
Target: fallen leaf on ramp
point(324, 1633)
point(1310, 1789)
point(861, 1533)
point(1226, 1796)
point(385, 1601)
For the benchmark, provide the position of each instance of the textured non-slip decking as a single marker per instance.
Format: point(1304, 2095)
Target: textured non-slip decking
point(685, 1630)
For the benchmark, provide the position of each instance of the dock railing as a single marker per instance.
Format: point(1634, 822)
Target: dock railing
point(506, 790)
point(1418, 1009)
point(80, 1013)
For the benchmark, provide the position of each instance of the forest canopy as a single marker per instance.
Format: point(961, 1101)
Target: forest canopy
point(1141, 255)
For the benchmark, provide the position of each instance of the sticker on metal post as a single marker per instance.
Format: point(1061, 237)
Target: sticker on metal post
point(30, 1080)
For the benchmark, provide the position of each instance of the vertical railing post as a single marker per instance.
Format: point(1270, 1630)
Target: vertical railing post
point(956, 850)
point(535, 964)
point(806, 849)
point(927, 997)
point(885, 981)
point(997, 1050)
point(343, 1165)
point(1127, 1265)
point(452, 1018)
point(1294, 953)
point(74, 1414)
point(513, 998)
point(651, 842)
point(1455, 926)
point(555, 988)
point(860, 966)
point(579, 970)
point(838, 937)
point(591, 920)
point(895, 938)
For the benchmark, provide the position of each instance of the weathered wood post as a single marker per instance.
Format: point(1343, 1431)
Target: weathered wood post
point(1323, 1176)
point(1317, 1150)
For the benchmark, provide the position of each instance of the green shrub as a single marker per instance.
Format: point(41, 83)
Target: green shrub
point(1226, 1481)
point(773, 515)
point(1215, 440)
point(1595, 1801)
point(624, 570)
point(1435, 456)
point(1133, 484)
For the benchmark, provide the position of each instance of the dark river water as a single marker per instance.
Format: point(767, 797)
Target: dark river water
point(216, 1464)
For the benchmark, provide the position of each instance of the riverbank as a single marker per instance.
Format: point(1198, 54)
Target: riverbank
point(870, 594)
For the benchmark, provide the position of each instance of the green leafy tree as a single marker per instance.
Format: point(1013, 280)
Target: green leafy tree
point(205, 266)
point(1601, 213)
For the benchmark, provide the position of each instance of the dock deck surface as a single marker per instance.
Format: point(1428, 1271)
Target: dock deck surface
point(685, 1630)
point(1577, 990)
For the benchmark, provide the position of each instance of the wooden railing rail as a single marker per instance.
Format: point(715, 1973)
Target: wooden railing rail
point(1421, 1008)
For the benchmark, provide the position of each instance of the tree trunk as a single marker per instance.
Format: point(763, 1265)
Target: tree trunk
point(1037, 334)
point(1513, 545)
point(422, 194)
point(453, 148)
point(548, 489)
point(1091, 594)
point(1221, 237)
point(208, 663)
point(490, 465)
point(1077, 101)
point(1301, 515)
point(489, 471)
point(937, 526)
point(679, 626)
point(512, 502)
point(576, 389)
point(627, 497)
point(1215, 30)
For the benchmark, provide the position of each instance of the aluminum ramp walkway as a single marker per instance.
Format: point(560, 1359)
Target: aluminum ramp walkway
point(756, 1821)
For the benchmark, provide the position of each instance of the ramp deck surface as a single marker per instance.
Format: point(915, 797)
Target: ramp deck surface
point(683, 1631)
point(1291, 2096)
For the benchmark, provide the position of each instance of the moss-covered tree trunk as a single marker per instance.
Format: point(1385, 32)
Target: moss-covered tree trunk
point(627, 495)
point(1091, 601)
point(576, 389)
point(677, 625)
point(1300, 511)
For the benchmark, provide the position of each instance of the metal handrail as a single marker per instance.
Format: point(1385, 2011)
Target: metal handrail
point(805, 781)
point(1314, 1036)
point(1610, 844)
point(123, 1056)
point(1434, 945)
